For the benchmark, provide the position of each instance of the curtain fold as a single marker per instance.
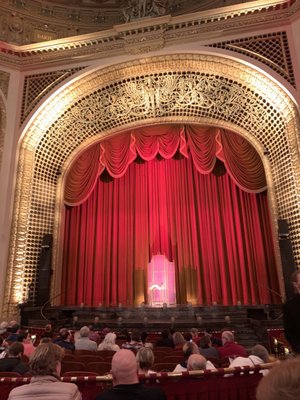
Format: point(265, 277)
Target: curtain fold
point(203, 144)
point(218, 235)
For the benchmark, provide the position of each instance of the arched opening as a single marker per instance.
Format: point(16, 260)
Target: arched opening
point(190, 89)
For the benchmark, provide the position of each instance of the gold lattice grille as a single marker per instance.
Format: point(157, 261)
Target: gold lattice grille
point(39, 85)
point(175, 88)
point(271, 49)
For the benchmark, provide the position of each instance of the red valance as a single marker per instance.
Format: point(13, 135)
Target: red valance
point(203, 144)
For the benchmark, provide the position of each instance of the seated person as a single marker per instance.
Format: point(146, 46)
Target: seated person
point(195, 336)
point(25, 339)
point(84, 342)
point(109, 342)
point(258, 355)
point(45, 366)
point(282, 382)
point(188, 349)
point(206, 348)
point(165, 341)
point(13, 360)
point(145, 360)
point(178, 340)
point(13, 333)
point(230, 348)
point(64, 339)
point(196, 362)
point(135, 342)
point(125, 381)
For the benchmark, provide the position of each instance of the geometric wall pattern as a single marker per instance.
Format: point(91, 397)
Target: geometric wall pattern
point(182, 88)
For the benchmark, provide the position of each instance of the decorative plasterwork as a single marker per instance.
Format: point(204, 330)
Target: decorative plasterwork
point(32, 21)
point(271, 49)
point(166, 30)
point(185, 88)
point(37, 86)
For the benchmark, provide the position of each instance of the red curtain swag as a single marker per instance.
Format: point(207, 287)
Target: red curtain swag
point(162, 192)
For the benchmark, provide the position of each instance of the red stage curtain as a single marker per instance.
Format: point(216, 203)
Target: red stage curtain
point(218, 235)
point(204, 144)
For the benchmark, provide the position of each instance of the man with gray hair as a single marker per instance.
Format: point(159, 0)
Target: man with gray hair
point(126, 385)
point(230, 348)
point(84, 343)
point(196, 362)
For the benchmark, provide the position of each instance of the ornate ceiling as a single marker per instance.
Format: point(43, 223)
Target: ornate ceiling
point(32, 21)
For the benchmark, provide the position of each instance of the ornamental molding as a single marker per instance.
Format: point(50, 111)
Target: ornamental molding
point(180, 88)
point(161, 31)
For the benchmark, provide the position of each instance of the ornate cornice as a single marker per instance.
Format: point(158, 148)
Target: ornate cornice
point(150, 34)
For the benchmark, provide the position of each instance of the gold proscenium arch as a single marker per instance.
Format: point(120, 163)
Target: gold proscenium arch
point(190, 88)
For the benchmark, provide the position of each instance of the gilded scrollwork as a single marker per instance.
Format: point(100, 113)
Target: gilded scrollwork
point(174, 88)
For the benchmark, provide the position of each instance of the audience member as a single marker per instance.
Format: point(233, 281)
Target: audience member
point(97, 324)
point(165, 341)
point(215, 341)
point(178, 340)
point(46, 340)
point(195, 336)
point(206, 348)
point(109, 342)
point(145, 360)
point(94, 336)
point(291, 320)
point(145, 341)
point(45, 366)
point(3, 327)
point(25, 338)
point(231, 349)
point(196, 362)
point(64, 339)
point(125, 381)
point(282, 382)
point(13, 333)
point(75, 323)
point(258, 355)
point(48, 331)
point(84, 342)
point(135, 342)
point(188, 349)
point(13, 360)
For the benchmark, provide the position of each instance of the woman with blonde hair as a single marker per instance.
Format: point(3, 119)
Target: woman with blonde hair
point(145, 360)
point(178, 340)
point(109, 342)
point(45, 367)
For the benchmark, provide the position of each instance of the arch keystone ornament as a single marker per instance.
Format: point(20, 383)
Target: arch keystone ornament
point(180, 88)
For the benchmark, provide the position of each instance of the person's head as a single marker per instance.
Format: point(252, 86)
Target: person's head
point(124, 368)
point(145, 358)
point(205, 342)
point(45, 339)
point(165, 334)
point(15, 350)
point(46, 360)
point(196, 362)
point(178, 338)
point(189, 348)
point(23, 336)
point(144, 337)
point(110, 338)
point(296, 281)
point(194, 333)
point(96, 320)
point(48, 328)
point(64, 334)
point(14, 328)
point(282, 382)
point(227, 336)
point(135, 336)
point(260, 351)
point(84, 331)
